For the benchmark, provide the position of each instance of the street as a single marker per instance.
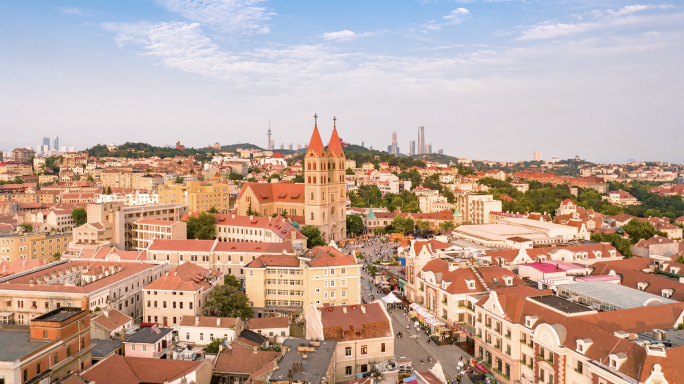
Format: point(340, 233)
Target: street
point(414, 343)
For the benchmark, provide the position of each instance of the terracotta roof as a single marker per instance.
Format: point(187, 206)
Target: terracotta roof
point(112, 320)
point(373, 323)
point(269, 192)
point(182, 245)
point(209, 321)
point(334, 145)
point(185, 277)
point(316, 144)
point(274, 261)
point(267, 322)
point(328, 256)
point(240, 360)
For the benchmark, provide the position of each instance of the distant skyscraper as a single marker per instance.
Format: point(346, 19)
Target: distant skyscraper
point(389, 148)
point(441, 151)
point(421, 140)
point(289, 146)
point(412, 148)
point(46, 141)
point(554, 159)
point(55, 143)
point(362, 144)
point(394, 148)
point(536, 156)
point(428, 148)
point(299, 146)
point(282, 145)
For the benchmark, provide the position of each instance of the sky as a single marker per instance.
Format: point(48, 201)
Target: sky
point(489, 80)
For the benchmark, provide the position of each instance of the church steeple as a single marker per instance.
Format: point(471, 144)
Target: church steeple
point(316, 144)
point(334, 145)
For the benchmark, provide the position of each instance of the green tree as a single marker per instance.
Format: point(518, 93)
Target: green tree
point(227, 301)
point(109, 190)
point(638, 230)
point(27, 227)
point(213, 347)
point(423, 225)
point(90, 178)
point(232, 281)
point(80, 216)
point(349, 172)
point(283, 213)
point(372, 270)
point(179, 180)
point(299, 179)
point(449, 196)
point(620, 243)
point(354, 225)
point(202, 227)
point(410, 225)
point(57, 256)
point(411, 207)
point(212, 210)
point(399, 223)
point(446, 225)
point(679, 259)
point(313, 236)
point(235, 176)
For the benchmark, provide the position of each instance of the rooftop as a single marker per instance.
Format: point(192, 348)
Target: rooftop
point(147, 336)
point(21, 343)
point(312, 369)
point(60, 314)
point(104, 347)
point(561, 304)
point(612, 294)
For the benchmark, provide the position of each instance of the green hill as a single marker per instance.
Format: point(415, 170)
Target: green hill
point(446, 159)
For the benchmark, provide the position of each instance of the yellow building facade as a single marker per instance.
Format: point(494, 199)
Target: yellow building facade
point(199, 196)
point(41, 246)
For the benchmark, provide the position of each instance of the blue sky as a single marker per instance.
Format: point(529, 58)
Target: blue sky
point(492, 80)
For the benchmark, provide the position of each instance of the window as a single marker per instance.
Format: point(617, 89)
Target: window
point(144, 348)
point(201, 336)
point(347, 351)
point(382, 347)
point(364, 349)
point(45, 334)
point(348, 370)
point(132, 347)
point(542, 375)
point(187, 335)
point(580, 367)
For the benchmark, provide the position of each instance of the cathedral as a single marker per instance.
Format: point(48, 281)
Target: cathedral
point(325, 186)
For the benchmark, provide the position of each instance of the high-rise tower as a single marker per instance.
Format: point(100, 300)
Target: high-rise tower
point(270, 142)
point(325, 185)
point(395, 147)
point(421, 140)
point(412, 147)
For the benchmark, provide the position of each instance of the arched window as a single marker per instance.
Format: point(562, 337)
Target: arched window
point(314, 165)
point(312, 195)
point(309, 166)
point(309, 179)
point(312, 216)
point(314, 180)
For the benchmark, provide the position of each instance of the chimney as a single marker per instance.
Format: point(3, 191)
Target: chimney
point(363, 308)
point(218, 321)
point(4, 268)
point(251, 217)
point(23, 263)
point(106, 312)
point(197, 318)
point(344, 309)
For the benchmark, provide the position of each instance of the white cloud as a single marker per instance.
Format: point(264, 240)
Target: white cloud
point(345, 35)
point(241, 16)
point(71, 10)
point(454, 17)
point(610, 19)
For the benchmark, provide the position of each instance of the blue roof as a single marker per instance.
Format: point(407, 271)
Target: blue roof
point(371, 215)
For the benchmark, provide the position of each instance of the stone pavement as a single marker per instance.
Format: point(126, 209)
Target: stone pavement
point(414, 345)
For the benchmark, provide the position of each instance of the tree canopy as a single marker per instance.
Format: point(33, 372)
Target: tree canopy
point(354, 225)
point(80, 216)
point(313, 236)
point(202, 227)
point(227, 301)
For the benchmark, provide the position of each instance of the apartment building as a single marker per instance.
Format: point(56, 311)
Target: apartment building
point(31, 245)
point(285, 284)
point(238, 228)
point(113, 223)
point(22, 154)
point(199, 196)
point(363, 332)
point(87, 284)
point(476, 208)
point(229, 258)
point(180, 292)
point(145, 231)
point(529, 336)
point(17, 168)
point(54, 345)
point(135, 180)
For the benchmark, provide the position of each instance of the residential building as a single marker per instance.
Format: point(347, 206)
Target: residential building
point(150, 342)
point(323, 275)
point(363, 332)
point(180, 292)
point(622, 198)
point(226, 257)
point(145, 231)
point(276, 329)
point(110, 324)
point(22, 154)
point(476, 208)
point(55, 344)
point(243, 363)
point(84, 284)
point(203, 330)
point(197, 195)
point(584, 254)
point(32, 245)
point(536, 156)
point(134, 180)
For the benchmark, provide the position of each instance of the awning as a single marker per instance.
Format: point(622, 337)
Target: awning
point(435, 322)
point(5, 314)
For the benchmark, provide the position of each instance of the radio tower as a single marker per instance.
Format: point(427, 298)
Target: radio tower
point(270, 142)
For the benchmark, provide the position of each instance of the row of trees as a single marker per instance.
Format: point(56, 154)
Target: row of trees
point(369, 196)
point(636, 230)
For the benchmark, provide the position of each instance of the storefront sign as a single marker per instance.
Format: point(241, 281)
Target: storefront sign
point(480, 366)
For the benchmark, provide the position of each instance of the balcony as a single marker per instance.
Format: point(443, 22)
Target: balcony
point(508, 336)
point(444, 302)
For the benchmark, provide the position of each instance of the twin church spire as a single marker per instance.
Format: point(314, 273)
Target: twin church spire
point(316, 144)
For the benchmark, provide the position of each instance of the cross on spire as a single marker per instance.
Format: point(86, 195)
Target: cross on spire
point(334, 122)
point(316, 119)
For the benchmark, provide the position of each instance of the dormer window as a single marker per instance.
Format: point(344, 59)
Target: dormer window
point(674, 270)
point(667, 293)
point(470, 283)
point(508, 280)
point(616, 359)
point(530, 320)
point(583, 344)
point(642, 286)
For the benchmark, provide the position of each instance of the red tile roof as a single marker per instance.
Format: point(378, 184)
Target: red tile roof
point(334, 145)
point(112, 320)
point(267, 323)
point(316, 144)
point(209, 321)
point(240, 360)
point(185, 277)
point(369, 319)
